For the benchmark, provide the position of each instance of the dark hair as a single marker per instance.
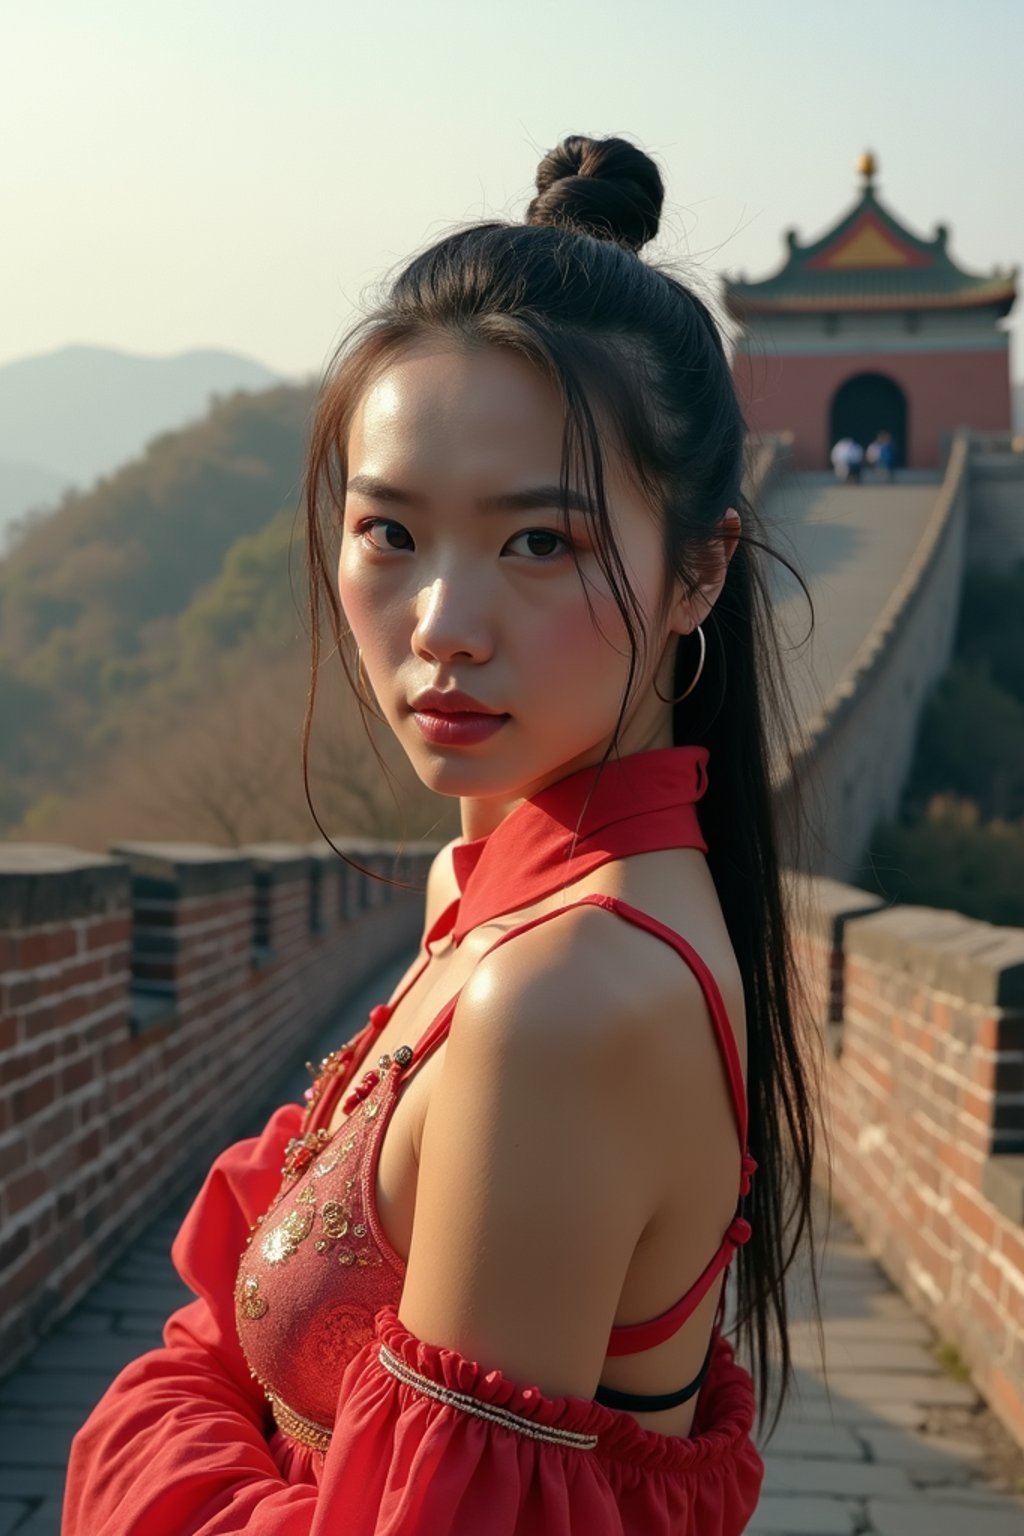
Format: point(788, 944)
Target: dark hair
point(568, 291)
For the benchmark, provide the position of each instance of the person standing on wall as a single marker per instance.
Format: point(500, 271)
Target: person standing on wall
point(477, 1282)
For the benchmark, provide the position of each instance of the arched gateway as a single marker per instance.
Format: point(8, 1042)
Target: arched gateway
point(872, 326)
point(865, 405)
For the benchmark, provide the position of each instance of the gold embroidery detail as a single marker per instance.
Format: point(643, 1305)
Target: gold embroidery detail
point(249, 1301)
point(325, 1164)
point(282, 1241)
point(300, 1151)
point(331, 1065)
point(335, 1218)
point(316, 1437)
point(491, 1411)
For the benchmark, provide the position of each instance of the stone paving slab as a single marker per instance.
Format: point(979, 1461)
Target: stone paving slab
point(892, 1387)
point(907, 1448)
point(44, 1520)
point(846, 1479)
point(44, 1444)
point(943, 1518)
point(12, 1514)
point(127, 1296)
point(100, 1352)
point(873, 1330)
point(780, 1516)
point(828, 1442)
point(859, 1354)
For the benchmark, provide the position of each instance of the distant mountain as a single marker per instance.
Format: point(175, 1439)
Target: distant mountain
point(92, 595)
point(80, 412)
point(26, 486)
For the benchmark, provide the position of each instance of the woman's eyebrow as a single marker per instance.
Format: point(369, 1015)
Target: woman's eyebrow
point(509, 501)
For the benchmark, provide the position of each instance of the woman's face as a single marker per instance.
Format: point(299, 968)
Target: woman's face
point(454, 573)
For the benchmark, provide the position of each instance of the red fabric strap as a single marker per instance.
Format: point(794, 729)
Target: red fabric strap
point(632, 1338)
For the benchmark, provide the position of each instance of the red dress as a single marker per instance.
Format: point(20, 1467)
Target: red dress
point(288, 1399)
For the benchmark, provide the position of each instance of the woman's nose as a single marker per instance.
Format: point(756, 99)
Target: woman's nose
point(451, 622)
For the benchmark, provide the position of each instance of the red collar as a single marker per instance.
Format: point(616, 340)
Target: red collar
point(640, 803)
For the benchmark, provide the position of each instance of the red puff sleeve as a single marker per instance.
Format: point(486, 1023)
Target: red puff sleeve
point(177, 1444)
point(428, 1443)
point(424, 1443)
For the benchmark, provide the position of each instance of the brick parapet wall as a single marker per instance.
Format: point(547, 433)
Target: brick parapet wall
point(925, 1111)
point(148, 1001)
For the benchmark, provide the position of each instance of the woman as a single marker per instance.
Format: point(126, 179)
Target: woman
point(485, 1292)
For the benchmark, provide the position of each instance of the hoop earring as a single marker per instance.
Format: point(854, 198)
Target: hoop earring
point(696, 676)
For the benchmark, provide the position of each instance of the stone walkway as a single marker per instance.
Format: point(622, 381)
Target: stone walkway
point(902, 1448)
point(898, 1443)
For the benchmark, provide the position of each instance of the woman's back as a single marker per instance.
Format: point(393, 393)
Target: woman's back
point(691, 1122)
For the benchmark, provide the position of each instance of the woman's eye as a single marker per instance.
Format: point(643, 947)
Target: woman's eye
point(390, 531)
point(543, 542)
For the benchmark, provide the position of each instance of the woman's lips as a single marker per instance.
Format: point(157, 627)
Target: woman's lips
point(461, 728)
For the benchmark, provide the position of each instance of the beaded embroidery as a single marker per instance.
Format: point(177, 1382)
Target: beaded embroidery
point(492, 1411)
point(314, 1436)
point(248, 1300)
point(282, 1241)
point(327, 1206)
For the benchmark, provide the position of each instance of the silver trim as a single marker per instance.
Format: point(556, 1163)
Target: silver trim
point(491, 1411)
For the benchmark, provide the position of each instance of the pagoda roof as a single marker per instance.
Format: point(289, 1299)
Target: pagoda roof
point(869, 261)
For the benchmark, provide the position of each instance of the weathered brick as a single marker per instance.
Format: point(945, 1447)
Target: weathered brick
point(13, 1155)
point(35, 1096)
point(22, 991)
point(112, 930)
point(975, 1214)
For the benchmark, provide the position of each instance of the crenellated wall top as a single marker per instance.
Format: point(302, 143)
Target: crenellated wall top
point(48, 883)
point(974, 961)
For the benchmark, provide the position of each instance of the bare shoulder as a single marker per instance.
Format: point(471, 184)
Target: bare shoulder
point(532, 1194)
point(588, 985)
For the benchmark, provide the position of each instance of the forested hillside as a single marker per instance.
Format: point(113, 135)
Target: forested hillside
point(153, 649)
point(70, 415)
point(959, 839)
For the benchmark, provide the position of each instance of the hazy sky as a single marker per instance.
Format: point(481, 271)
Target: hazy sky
point(238, 173)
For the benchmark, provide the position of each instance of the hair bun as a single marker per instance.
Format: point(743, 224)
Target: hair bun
point(605, 187)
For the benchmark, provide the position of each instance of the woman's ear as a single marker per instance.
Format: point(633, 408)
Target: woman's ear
point(693, 606)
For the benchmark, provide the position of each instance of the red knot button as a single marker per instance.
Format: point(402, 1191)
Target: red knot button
point(379, 1015)
point(740, 1231)
point(748, 1169)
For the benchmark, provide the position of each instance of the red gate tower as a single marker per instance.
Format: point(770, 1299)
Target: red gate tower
point(873, 329)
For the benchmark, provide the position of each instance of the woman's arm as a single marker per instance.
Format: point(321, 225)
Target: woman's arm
point(538, 1136)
